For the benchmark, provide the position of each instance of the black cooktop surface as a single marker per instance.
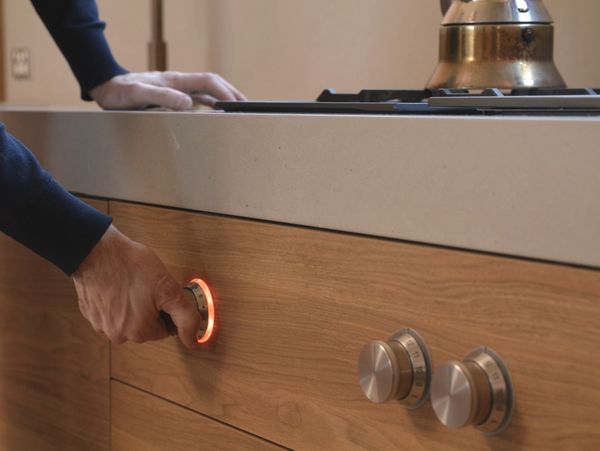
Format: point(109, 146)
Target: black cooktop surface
point(530, 101)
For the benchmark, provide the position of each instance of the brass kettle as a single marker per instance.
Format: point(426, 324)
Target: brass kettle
point(505, 44)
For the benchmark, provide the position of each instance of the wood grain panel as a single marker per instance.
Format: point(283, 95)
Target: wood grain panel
point(146, 423)
point(54, 369)
point(295, 307)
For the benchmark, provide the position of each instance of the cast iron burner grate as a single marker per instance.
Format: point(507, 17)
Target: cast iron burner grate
point(529, 101)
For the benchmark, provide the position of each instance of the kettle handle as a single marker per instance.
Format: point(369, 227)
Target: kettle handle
point(445, 5)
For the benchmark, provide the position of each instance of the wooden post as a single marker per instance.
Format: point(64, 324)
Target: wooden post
point(157, 48)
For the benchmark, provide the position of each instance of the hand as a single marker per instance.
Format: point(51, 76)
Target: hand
point(122, 286)
point(175, 90)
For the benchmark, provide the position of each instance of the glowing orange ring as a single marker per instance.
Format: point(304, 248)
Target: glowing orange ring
point(210, 306)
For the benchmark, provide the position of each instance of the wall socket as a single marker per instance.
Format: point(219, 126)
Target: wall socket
point(20, 58)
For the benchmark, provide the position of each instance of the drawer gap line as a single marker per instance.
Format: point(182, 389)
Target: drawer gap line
point(208, 417)
point(564, 264)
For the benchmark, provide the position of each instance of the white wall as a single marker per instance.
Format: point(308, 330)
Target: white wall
point(284, 48)
point(187, 30)
point(289, 48)
point(51, 81)
point(577, 39)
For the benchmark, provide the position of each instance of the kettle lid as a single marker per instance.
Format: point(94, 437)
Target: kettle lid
point(461, 12)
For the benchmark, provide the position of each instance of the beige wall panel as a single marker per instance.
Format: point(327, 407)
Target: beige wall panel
point(51, 81)
point(576, 41)
point(187, 31)
point(2, 72)
point(128, 30)
point(284, 48)
point(293, 49)
point(288, 48)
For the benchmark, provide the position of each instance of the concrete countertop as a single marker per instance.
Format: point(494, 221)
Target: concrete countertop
point(526, 187)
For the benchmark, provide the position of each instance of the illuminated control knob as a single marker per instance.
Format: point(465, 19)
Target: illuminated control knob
point(198, 293)
point(397, 369)
point(202, 296)
point(477, 391)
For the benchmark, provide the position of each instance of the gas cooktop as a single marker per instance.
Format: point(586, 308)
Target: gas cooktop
point(530, 101)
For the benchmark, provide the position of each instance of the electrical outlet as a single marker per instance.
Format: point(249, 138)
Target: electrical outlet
point(20, 58)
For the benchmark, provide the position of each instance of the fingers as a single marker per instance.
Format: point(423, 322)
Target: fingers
point(146, 94)
point(151, 331)
point(160, 331)
point(168, 322)
point(238, 94)
point(171, 299)
point(118, 311)
point(116, 339)
point(205, 99)
point(165, 89)
point(122, 287)
point(204, 83)
point(186, 317)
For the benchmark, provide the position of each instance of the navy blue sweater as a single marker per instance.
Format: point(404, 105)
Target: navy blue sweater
point(34, 209)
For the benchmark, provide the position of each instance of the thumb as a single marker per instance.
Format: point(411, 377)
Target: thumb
point(145, 94)
point(158, 330)
point(186, 317)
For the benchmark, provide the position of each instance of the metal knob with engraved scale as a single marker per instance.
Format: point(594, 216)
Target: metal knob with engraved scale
point(396, 369)
point(477, 391)
point(198, 292)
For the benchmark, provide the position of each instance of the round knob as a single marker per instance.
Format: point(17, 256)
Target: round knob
point(201, 295)
point(397, 369)
point(477, 391)
point(198, 292)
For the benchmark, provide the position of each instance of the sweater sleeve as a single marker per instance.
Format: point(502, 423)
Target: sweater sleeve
point(79, 33)
point(36, 211)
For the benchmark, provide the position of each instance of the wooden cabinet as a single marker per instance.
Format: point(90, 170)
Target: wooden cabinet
point(295, 307)
point(54, 369)
point(143, 422)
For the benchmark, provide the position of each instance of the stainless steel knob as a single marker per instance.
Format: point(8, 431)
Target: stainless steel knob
point(477, 391)
point(202, 296)
point(199, 293)
point(396, 369)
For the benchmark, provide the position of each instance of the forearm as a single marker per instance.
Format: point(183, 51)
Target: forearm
point(36, 211)
point(79, 33)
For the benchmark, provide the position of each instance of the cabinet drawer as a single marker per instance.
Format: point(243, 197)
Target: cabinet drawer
point(295, 307)
point(54, 369)
point(143, 422)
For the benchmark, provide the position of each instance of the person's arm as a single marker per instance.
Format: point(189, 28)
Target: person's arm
point(36, 211)
point(121, 285)
point(79, 33)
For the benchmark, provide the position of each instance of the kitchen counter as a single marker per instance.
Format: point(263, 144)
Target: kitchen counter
point(296, 305)
point(526, 187)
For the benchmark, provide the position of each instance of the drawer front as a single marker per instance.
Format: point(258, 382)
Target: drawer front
point(143, 422)
point(295, 306)
point(54, 369)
